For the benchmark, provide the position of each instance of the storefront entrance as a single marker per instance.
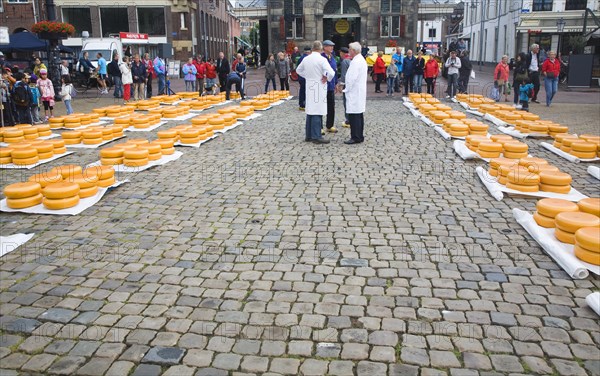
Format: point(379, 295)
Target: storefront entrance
point(341, 22)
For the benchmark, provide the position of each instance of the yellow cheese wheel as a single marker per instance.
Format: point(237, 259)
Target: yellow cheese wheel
point(168, 151)
point(102, 172)
point(584, 146)
point(88, 192)
point(92, 141)
point(514, 155)
point(60, 203)
point(44, 147)
point(111, 161)
point(498, 137)
point(5, 160)
point(125, 146)
point(555, 178)
point(488, 154)
point(490, 146)
point(91, 134)
point(57, 143)
point(62, 189)
point(71, 134)
point(520, 177)
point(22, 190)
point(155, 156)
point(189, 141)
point(523, 188)
point(532, 161)
point(13, 133)
point(68, 170)
point(111, 152)
point(590, 205)
point(543, 221)
point(505, 169)
point(24, 153)
point(25, 161)
point(151, 147)
point(5, 152)
point(138, 162)
point(86, 180)
point(13, 140)
point(136, 154)
point(497, 162)
point(564, 189)
point(167, 134)
point(138, 141)
point(29, 130)
point(25, 202)
point(47, 155)
point(563, 236)
point(72, 141)
point(543, 168)
point(587, 256)
point(164, 142)
point(588, 238)
point(550, 207)
point(583, 154)
point(573, 221)
point(103, 183)
point(46, 178)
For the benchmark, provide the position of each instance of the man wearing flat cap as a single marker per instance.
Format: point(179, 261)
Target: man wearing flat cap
point(330, 56)
point(302, 81)
point(345, 63)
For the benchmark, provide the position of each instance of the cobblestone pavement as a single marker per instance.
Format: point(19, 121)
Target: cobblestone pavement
point(259, 253)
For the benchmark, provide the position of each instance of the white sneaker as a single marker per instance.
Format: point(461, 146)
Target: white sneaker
point(518, 106)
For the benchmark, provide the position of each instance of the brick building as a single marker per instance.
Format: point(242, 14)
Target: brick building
point(18, 14)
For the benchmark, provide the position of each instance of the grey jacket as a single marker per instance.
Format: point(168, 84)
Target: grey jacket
point(345, 65)
point(283, 68)
point(270, 70)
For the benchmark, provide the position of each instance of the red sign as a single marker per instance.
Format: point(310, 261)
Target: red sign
point(124, 35)
point(534, 31)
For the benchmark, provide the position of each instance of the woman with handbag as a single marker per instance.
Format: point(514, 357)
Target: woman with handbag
point(551, 72)
point(519, 75)
point(501, 78)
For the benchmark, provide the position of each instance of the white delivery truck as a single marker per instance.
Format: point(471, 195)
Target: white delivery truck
point(108, 47)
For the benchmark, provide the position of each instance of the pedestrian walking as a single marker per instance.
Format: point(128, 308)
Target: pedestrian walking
point(551, 73)
point(189, 75)
point(392, 74)
point(356, 93)
point(47, 92)
point(127, 78)
point(317, 72)
point(464, 72)
point(345, 64)
point(453, 65)
point(114, 73)
point(283, 71)
point(160, 70)
point(407, 71)
point(151, 74)
point(139, 74)
point(418, 70)
point(379, 71)
point(270, 72)
point(520, 73)
point(431, 72)
point(223, 70)
point(399, 59)
point(330, 57)
point(102, 74)
point(66, 93)
point(526, 91)
point(533, 66)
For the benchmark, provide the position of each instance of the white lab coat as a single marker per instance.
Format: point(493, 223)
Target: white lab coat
point(356, 86)
point(313, 68)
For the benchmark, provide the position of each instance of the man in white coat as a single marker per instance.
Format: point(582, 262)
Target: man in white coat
point(315, 69)
point(356, 93)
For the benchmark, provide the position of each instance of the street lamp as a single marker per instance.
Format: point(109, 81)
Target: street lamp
point(560, 26)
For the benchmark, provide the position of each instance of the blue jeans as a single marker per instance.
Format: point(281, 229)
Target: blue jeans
point(69, 107)
point(269, 80)
point(452, 84)
point(313, 126)
point(118, 87)
point(190, 84)
point(418, 82)
point(551, 85)
point(391, 81)
point(161, 84)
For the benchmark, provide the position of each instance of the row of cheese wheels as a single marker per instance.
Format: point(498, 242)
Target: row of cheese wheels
point(418, 98)
point(136, 152)
point(138, 121)
point(206, 101)
point(31, 152)
point(577, 224)
point(92, 135)
point(60, 188)
point(22, 132)
point(497, 145)
point(530, 175)
point(144, 104)
point(74, 120)
point(171, 112)
point(239, 111)
point(464, 127)
point(540, 127)
point(475, 100)
point(586, 146)
point(114, 111)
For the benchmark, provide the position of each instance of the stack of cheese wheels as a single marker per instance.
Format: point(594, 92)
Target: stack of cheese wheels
point(60, 195)
point(46, 178)
point(590, 205)
point(229, 119)
point(225, 110)
point(124, 121)
point(113, 112)
point(567, 224)
point(217, 123)
point(23, 195)
point(558, 139)
point(456, 114)
point(472, 141)
point(141, 122)
point(87, 181)
point(548, 208)
point(12, 136)
point(44, 130)
point(85, 119)
point(105, 175)
point(557, 182)
point(29, 132)
point(199, 121)
point(72, 121)
point(261, 104)
point(107, 133)
point(24, 155)
point(501, 138)
point(523, 181)
point(56, 122)
point(584, 150)
point(587, 245)
point(67, 171)
point(505, 169)
point(168, 134)
point(533, 164)
point(170, 113)
point(198, 105)
point(538, 128)
point(438, 116)
point(495, 164)
point(111, 156)
point(5, 155)
point(189, 136)
point(515, 150)
point(135, 157)
point(45, 150)
point(488, 149)
point(476, 127)
point(567, 142)
point(71, 137)
point(166, 145)
point(92, 137)
point(154, 150)
point(556, 129)
point(116, 131)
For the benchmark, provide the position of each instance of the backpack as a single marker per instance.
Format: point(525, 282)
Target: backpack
point(21, 95)
point(72, 91)
point(530, 92)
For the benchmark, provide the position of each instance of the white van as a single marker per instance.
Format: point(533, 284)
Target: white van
point(108, 47)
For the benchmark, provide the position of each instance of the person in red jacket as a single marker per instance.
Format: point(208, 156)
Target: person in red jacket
point(379, 71)
point(551, 72)
point(211, 77)
point(200, 73)
point(501, 78)
point(431, 71)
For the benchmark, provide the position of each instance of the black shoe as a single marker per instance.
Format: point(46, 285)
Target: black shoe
point(350, 142)
point(307, 140)
point(320, 141)
point(535, 101)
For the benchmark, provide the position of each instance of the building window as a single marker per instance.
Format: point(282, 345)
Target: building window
point(16, 1)
point(576, 5)
point(390, 26)
point(432, 33)
point(341, 7)
point(151, 21)
point(542, 5)
point(294, 23)
point(392, 6)
point(79, 18)
point(113, 20)
point(182, 21)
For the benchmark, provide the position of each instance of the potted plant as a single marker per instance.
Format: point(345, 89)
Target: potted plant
point(53, 30)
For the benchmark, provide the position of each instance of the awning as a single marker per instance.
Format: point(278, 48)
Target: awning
point(27, 41)
point(244, 42)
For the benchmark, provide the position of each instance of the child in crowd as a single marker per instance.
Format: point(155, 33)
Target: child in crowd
point(66, 92)
point(47, 92)
point(525, 92)
point(35, 103)
point(391, 72)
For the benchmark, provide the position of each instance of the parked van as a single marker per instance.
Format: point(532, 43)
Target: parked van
point(108, 47)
